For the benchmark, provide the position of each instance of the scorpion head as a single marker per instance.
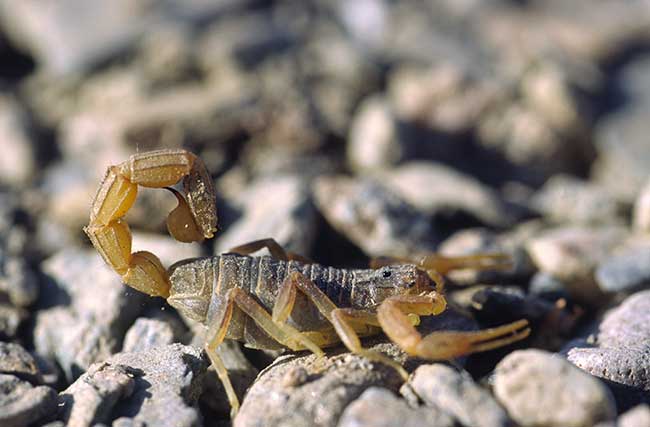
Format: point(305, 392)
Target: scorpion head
point(374, 286)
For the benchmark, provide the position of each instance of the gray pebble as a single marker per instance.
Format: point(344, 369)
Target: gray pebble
point(565, 199)
point(373, 217)
point(454, 192)
point(378, 407)
point(18, 162)
point(333, 383)
point(93, 313)
point(457, 395)
point(277, 207)
point(625, 271)
point(91, 398)
point(541, 389)
point(22, 404)
point(10, 320)
point(147, 333)
point(19, 282)
point(15, 360)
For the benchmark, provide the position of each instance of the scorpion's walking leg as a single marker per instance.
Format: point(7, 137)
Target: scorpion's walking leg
point(348, 323)
point(392, 316)
point(276, 250)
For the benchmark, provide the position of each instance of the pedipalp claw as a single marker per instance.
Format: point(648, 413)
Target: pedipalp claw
point(180, 221)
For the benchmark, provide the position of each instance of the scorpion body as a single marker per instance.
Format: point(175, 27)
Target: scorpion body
point(199, 288)
point(282, 300)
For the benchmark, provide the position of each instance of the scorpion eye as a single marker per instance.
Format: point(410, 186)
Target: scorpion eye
point(386, 274)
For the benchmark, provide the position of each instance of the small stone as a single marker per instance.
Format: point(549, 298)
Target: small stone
point(336, 381)
point(456, 394)
point(637, 416)
point(277, 207)
point(10, 320)
point(19, 282)
point(18, 162)
point(167, 384)
point(147, 333)
point(378, 407)
point(91, 398)
point(373, 141)
point(373, 217)
point(544, 284)
point(641, 214)
point(571, 254)
point(627, 270)
point(453, 192)
point(565, 199)
point(15, 360)
point(540, 389)
point(21, 404)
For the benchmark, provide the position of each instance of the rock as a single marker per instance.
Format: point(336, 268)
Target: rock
point(637, 416)
point(167, 384)
point(373, 217)
point(90, 311)
point(619, 352)
point(16, 361)
point(373, 140)
point(641, 214)
point(165, 247)
point(571, 254)
point(22, 404)
point(544, 284)
point(19, 282)
point(378, 407)
point(147, 333)
point(451, 192)
point(92, 398)
point(10, 320)
point(539, 389)
point(456, 394)
point(336, 381)
point(18, 162)
point(277, 207)
point(566, 199)
point(627, 270)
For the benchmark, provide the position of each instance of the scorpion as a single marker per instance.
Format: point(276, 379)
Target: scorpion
point(252, 299)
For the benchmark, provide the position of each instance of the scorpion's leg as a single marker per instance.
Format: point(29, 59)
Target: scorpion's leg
point(276, 250)
point(392, 315)
point(348, 323)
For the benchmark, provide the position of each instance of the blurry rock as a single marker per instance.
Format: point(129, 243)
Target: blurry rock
point(373, 217)
point(572, 253)
point(162, 385)
point(373, 141)
point(637, 416)
point(277, 207)
point(21, 404)
point(434, 188)
point(641, 214)
point(441, 98)
point(18, 161)
point(336, 381)
point(544, 284)
point(15, 360)
point(19, 282)
point(91, 312)
point(147, 333)
point(91, 398)
point(457, 395)
point(378, 407)
point(539, 389)
point(483, 241)
point(626, 270)
point(10, 320)
point(566, 199)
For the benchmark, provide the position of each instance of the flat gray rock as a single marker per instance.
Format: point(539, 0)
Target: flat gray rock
point(15, 360)
point(147, 333)
point(625, 271)
point(456, 394)
point(22, 404)
point(378, 407)
point(538, 389)
point(159, 386)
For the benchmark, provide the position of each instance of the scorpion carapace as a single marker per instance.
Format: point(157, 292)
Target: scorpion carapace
point(283, 300)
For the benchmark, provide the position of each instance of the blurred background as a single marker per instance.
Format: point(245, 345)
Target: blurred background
point(343, 129)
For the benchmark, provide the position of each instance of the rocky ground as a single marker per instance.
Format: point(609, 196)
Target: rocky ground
point(345, 130)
